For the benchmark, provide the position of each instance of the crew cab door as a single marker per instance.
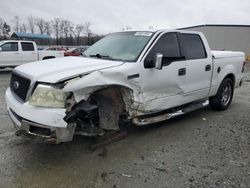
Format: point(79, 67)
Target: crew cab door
point(198, 67)
point(10, 54)
point(164, 88)
point(29, 52)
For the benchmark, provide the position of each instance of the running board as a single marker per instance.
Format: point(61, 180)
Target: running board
point(154, 119)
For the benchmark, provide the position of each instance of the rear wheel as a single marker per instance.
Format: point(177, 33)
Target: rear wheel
point(224, 96)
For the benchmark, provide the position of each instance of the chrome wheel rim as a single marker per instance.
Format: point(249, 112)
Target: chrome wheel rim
point(226, 94)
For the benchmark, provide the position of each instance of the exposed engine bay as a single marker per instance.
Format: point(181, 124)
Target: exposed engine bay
point(98, 114)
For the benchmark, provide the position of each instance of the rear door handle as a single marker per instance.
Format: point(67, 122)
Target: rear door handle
point(207, 67)
point(182, 72)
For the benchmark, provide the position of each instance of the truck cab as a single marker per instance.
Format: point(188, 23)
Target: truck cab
point(14, 53)
point(185, 71)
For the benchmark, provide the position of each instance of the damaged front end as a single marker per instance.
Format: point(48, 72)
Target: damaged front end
point(85, 117)
point(89, 105)
point(40, 132)
point(97, 115)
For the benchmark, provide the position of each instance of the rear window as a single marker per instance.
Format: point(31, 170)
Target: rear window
point(27, 46)
point(193, 45)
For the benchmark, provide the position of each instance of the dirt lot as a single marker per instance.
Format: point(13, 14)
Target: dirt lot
point(200, 149)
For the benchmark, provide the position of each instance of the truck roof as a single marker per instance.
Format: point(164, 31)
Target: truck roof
point(162, 30)
point(16, 41)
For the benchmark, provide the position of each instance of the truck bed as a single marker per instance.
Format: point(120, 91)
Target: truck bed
point(224, 62)
point(226, 54)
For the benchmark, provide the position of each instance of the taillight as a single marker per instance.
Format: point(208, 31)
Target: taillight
point(243, 66)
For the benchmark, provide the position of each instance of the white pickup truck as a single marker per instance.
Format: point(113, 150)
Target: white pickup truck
point(14, 53)
point(142, 76)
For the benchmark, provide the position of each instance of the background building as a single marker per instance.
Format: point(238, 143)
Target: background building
point(38, 38)
point(226, 37)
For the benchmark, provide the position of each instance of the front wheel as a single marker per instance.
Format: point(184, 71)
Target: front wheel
point(224, 96)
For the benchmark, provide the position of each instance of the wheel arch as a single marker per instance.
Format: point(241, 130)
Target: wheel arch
point(116, 92)
point(227, 71)
point(113, 102)
point(217, 80)
point(48, 57)
point(230, 76)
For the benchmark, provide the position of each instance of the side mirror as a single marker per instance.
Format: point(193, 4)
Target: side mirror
point(155, 62)
point(1, 49)
point(158, 61)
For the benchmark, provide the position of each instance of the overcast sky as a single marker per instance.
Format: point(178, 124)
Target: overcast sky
point(113, 15)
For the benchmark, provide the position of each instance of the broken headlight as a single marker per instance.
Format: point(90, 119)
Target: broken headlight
point(48, 96)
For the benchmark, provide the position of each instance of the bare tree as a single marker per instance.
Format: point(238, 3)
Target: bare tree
point(77, 32)
point(40, 23)
point(68, 25)
point(16, 22)
point(6, 29)
point(61, 28)
point(66, 28)
point(87, 31)
point(48, 28)
point(56, 25)
point(1, 26)
point(71, 27)
point(23, 28)
point(31, 23)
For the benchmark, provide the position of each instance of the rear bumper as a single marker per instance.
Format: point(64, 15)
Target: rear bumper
point(46, 124)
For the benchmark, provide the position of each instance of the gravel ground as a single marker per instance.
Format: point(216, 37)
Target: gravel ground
point(200, 149)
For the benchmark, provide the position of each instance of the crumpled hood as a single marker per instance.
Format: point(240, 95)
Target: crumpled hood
point(58, 69)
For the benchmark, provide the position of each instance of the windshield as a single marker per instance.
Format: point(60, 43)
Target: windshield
point(125, 46)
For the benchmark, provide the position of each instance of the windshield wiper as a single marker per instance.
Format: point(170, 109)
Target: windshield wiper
point(102, 56)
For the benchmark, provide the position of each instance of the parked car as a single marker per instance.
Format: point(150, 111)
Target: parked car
point(56, 48)
point(145, 77)
point(76, 51)
point(14, 53)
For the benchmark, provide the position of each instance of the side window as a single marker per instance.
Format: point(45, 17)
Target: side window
point(10, 47)
point(168, 46)
point(193, 45)
point(27, 46)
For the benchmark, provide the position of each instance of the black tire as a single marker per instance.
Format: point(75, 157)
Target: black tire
point(49, 57)
point(223, 98)
point(124, 125)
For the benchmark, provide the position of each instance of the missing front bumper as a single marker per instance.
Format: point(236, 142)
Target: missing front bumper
point(41, 133)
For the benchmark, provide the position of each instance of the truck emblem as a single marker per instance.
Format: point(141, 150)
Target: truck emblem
point(16, 85)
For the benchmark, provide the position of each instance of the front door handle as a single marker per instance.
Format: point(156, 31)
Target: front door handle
point(207, 67)
point(182, 72)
